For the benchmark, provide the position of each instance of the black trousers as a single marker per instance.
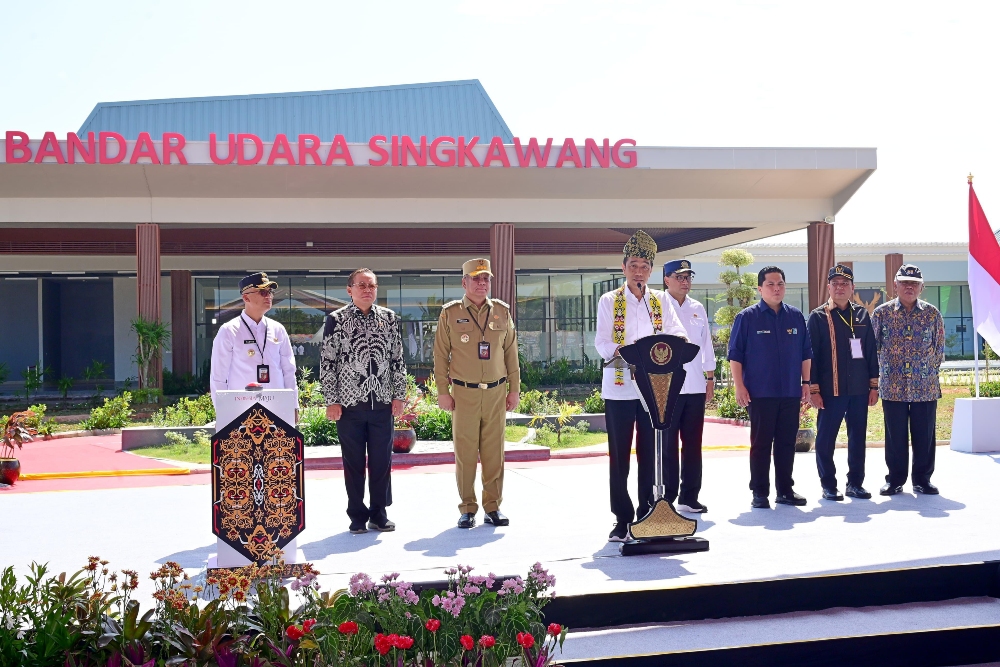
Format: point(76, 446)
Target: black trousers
point(367, 430)
point(903, 420)
point(774, 423)
point(835, 409)
point(689, 423)
point(623, 419)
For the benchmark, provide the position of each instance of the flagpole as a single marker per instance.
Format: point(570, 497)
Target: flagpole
point(975, 356)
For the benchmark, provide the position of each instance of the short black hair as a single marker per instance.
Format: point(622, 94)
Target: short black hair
point(766, 270)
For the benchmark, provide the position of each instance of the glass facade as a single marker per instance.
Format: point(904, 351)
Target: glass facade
point(556, 311)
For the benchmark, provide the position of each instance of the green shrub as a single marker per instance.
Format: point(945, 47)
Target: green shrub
point(594, 403)
point(201, 439)
point(39, 422)
point(147, 395)
point(115, 413)
point(725, 399)
point(186, 412)
point(434, 424)
point(316, 429)
point(310, 391)
point(536, 402)
point(986, 389)
point(176, 385)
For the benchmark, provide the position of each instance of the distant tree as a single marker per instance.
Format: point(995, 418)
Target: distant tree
point(739, 289)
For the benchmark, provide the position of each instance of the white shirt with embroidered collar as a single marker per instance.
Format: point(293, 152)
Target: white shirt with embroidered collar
point(638, 323)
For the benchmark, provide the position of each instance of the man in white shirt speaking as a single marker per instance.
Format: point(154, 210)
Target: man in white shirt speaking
point(623, 316)
point(699, 387)
point(252, 348)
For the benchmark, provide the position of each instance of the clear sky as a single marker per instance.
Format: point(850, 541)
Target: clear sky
point(916, 80)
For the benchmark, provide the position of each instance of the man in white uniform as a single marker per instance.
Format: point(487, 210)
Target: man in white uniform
point(624, 315)
point(699, 387)
point(252, 348)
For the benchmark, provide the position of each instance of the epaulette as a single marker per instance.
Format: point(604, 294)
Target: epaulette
point(451, 303)
point(501, 303)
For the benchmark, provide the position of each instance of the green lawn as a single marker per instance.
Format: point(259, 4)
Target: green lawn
point(515, 433)
point(190, 453)
point(945, 412)
point(569, 439)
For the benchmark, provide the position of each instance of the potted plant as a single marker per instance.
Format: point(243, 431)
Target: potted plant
point(404, 436)
point(15, 432)
point(806, 437)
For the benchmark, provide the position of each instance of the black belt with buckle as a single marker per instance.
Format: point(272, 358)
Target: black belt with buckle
point(479, 385)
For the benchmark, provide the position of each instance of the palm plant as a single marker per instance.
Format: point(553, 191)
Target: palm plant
point(151, 336)
point(561, 420)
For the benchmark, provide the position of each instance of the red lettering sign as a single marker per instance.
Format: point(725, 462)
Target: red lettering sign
point(402, 150)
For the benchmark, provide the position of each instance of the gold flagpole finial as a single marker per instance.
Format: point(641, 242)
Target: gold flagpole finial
point(970, 177)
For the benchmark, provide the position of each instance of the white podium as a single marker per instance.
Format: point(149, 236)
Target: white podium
point(974, 425)
point(229, 405)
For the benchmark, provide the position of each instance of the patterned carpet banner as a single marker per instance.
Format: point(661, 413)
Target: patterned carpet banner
point(258, 483)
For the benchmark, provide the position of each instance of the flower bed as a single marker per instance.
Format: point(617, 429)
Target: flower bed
point(246, 617)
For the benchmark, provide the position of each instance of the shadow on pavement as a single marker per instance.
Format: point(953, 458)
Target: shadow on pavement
point(453, 540)
point(341, 543)
point(785, 517)
point(192, 557)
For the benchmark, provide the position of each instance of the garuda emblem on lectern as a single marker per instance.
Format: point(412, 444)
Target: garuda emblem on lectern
point(258, 491)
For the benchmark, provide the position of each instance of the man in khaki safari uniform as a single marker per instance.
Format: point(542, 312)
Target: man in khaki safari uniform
point(475, 358)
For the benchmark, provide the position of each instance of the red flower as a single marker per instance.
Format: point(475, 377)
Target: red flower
point(382, 644)
point(486, 641)
point(307, 625)
point(294, 632)
point(555, 629)
point(402, 642)
point(433, 624)
point(525, 639)
point(347, 628)
point(467, 642)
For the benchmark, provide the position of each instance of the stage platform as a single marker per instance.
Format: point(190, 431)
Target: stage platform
point(559, 516)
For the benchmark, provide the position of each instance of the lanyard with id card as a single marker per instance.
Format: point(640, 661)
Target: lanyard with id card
point(263, 370)
point(856, 351)
point(484, 345)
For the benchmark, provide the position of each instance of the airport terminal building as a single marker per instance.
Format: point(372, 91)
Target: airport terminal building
point(158, 208)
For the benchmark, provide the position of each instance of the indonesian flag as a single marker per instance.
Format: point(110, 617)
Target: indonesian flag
point(984, 273)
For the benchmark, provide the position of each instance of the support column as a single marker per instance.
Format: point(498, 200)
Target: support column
point(147, 255)
point(502, 260)
point(181, 322)
point(820, 259)
point(892, 263)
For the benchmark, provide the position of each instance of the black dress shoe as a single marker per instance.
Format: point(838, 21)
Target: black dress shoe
point(619, 533)
point(693, 507)
point(857, 492)
point(791, 498)
point(832, 494)
point(890, 489)
point(760, 502)
point(467, 520)
point(927, 489)
point(386, 527)
point(496, 518)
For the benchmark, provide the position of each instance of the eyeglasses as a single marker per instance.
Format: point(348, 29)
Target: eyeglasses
point(365, 287)
point(682, 277)
point(265, 292)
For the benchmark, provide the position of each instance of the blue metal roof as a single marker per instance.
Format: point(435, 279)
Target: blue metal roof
point(455, 108)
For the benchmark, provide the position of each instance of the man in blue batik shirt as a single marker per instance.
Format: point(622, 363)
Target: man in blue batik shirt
point(770, 355)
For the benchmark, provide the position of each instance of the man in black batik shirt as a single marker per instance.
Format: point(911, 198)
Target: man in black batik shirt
point(364, 384)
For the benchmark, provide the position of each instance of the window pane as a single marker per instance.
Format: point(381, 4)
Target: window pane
point(422, 298)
